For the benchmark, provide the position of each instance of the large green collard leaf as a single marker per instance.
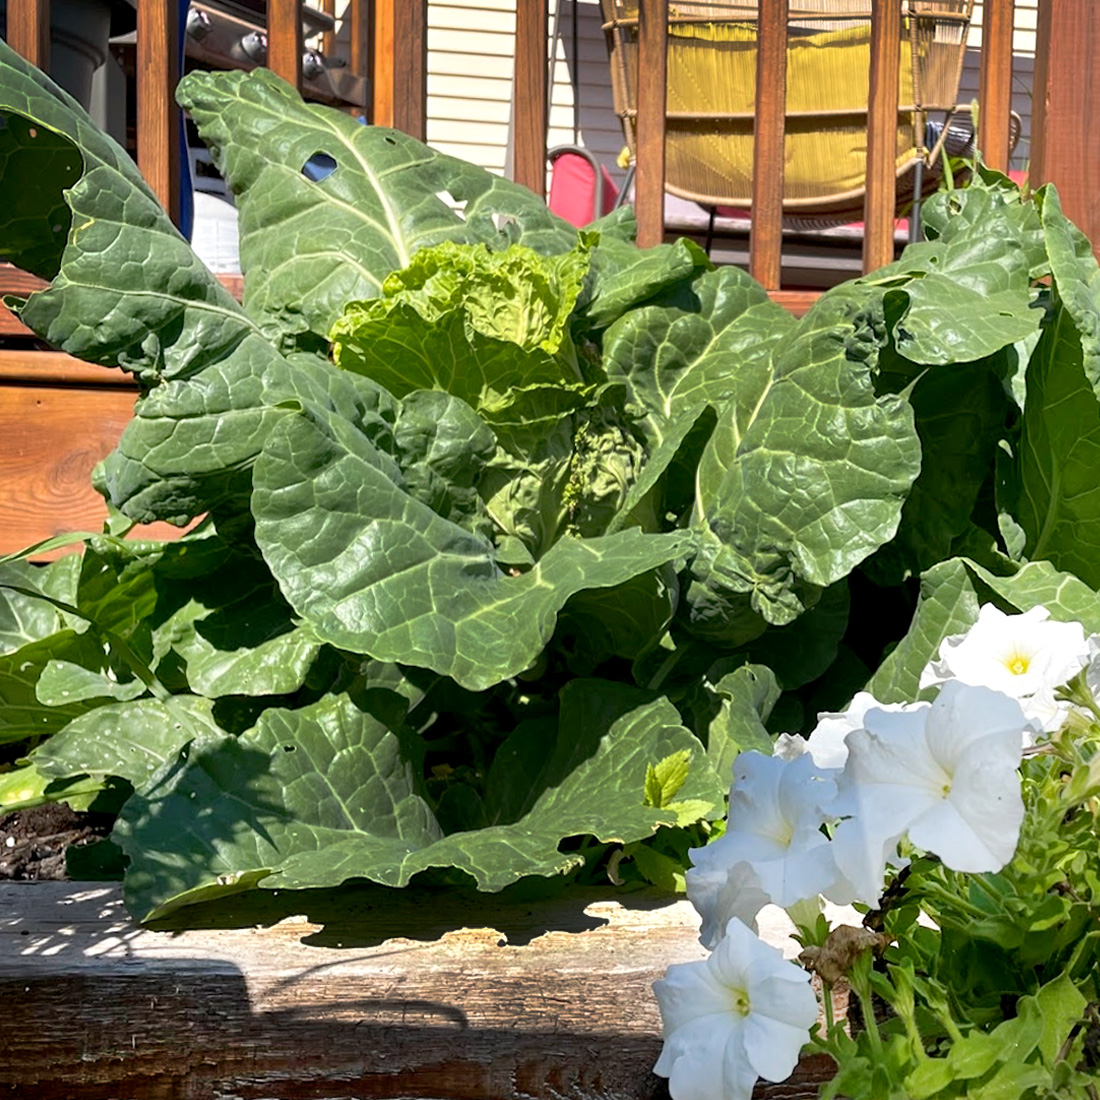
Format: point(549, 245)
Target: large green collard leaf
point(22, 713)
point(1057, 478)
point(700, 345)
point(626, 276)
point(803, 477)
point(960, 414)
point(133, 741)
point(747, 695)
point(235, 634)
point(129, 290)
point(318, 796)
point(309, 246)
point(951, 596)
point(373, 570)
point(24, 617)
point(969, 290)
point(948, 605)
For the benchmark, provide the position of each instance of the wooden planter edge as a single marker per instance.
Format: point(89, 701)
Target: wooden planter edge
point(322, 998)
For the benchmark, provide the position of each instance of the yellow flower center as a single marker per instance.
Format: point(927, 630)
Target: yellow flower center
point(1017, 664)
point(740, 1002)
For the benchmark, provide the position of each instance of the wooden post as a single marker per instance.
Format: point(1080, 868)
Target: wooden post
point(995, 90)
point(529, 102)
point(328, 39)
point(1065, 146)
point(359, 15)
point(769, 132)
point(158, 132)
point(882, 134)
point(649, 182)
point(410, 67)
point(382, 63)
point(284, 40)
point(29, 30)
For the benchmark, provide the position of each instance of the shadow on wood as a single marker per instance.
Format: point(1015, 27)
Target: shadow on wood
point(534, 999)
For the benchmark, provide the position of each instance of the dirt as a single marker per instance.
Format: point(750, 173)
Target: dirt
point(33, 842)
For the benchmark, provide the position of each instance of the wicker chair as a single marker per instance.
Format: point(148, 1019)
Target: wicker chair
point(711, 99)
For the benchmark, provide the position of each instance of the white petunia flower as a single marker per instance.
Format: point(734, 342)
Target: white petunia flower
point(720, 892)
point(773, 848)
point(827, 741)
point(1025, 656)
point(743, 1013)
point(946, 775)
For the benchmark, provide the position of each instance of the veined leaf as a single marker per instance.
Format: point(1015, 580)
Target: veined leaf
point(803, 477)
point(317, 796)
point(310, 246)
point(374, 571)
point(133, 741)
point(1058, 469)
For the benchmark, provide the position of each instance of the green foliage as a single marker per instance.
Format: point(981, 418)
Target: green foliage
point(514, 537)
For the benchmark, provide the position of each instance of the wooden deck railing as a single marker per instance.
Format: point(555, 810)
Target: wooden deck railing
point(396, 62)
point(58, 416)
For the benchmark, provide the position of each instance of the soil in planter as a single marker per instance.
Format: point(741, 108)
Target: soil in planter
point(33, 842)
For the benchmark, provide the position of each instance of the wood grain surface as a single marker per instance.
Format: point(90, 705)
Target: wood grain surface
point(52, 436)
point(365, 992)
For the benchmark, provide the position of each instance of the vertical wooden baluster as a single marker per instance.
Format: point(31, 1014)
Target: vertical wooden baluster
point(410, 67)
point(382, 63)
point(1065, 143)
point(882, 134)
point(328, 38)
point(284, 40)
point(358, 16)
point(29, 30)
point(766, 234)
point(529, 103)
point(158, 136)
point(995, 94)
point(649, 182)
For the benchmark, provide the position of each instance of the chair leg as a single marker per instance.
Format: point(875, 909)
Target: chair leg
point(710, 230)
point(915, 233)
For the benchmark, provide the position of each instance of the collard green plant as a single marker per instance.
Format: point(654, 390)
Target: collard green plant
point(500, 518)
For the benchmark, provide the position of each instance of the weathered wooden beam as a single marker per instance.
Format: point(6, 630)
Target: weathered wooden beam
point(769, 136)
point(995, 88)
point(360, 993)
point(882, 130)
point(649, 180)
point(284, 40)
point(28, 30)
point(410, 67)
point(1065, 144)
point(158, 126)
point(529, 101)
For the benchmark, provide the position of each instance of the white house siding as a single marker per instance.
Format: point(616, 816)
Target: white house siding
point(470, 68)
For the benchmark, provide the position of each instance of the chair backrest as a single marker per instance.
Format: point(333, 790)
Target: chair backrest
point(712, 89)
